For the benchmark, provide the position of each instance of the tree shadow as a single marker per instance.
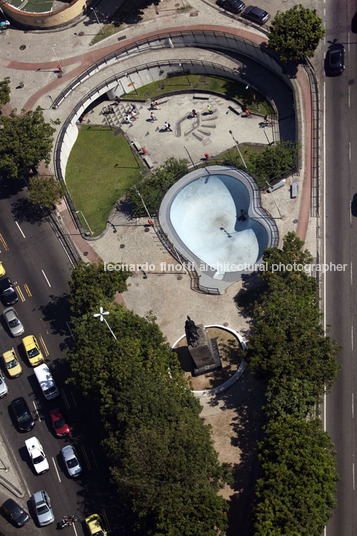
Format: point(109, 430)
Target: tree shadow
point(252, 288)
point(246, 397)
point(55, 312)
point(131, 12)
point(10, 187)
point(24, 210)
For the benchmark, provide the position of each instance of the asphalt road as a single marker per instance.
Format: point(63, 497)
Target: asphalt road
point(36, 263)
point(341, 242)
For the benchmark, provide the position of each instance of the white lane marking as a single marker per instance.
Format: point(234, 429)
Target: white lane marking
point(45, 276)
point(21, 231)
point(64, 249)
point(353, 476)
point(348, 42)
point(349, 96)
point(55, 466)
point(353, 405)
point(37, 412)
point(352, 337)
point(324, 230)
point(74, 529)
point(351, 272)
point(349, 152)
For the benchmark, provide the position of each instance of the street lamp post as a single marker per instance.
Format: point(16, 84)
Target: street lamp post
point(97, 19)
point(52, 101)
point(184, 72)
point(57, 59)
point(276, 204)
point(85, 219)
point(192, 162)
point(237, 145)
point(101, 315)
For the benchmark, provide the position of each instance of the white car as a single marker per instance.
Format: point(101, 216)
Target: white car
point(13, 322)
point(43, 509)
point(37, 455)
point(3, 387)
point(71, 462)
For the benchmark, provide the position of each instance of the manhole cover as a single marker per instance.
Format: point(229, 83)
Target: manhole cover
point(225, 324)
point(122, 246)
point(146, 229)
point(80, 34)
point(179, 277)
point(85, 253)
point(295, 221)
point(22, 47)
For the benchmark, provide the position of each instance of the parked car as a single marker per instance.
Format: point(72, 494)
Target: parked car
point(32, 350)
point(235, 6)
point(8, 294)
point(14, 513)
point(95, 526)
point(2, 269)
point(71, 462)
point(43, 509)
point(37, 455)
point(13, 322)
point(3, 387)
point(335, 60)
point(59, 424)
point(22, 415)
point(11, 362)
point(256, 14)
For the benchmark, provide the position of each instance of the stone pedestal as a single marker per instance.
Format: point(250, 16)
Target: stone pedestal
point(204, 352)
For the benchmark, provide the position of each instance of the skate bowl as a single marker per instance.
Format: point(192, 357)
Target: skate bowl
point(215, 222)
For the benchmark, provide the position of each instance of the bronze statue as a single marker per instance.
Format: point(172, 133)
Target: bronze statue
point(191, 332)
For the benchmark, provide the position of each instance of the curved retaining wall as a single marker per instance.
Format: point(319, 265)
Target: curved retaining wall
point(52, 19)
point(236, 375)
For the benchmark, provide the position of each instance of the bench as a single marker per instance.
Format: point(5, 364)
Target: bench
point(137, 146)
point(148, 162)
point(294, 190)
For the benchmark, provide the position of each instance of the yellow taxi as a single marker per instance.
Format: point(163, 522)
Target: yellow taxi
point(95, 526)
point(2, 269)
point(32, 350)
point(11, 362)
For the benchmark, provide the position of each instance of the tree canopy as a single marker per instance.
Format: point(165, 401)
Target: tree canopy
point(25, 141)
point(4, 91)
point(296, 33)
point(160, 452)
point(46, 190)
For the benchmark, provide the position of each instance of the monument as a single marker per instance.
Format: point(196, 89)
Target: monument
point(203, 350)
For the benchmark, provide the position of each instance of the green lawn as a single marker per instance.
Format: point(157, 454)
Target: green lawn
point(101, 167)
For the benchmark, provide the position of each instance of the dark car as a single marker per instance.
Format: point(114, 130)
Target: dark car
point(22, 415)
point(335, 60)
point(14, 513)
point(235, 6)
point(255, 14)
point(8, 294)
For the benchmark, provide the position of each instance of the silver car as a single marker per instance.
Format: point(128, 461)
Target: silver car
point(70, 459)
point(43, 508)
point(13, 322)
point(3, 387)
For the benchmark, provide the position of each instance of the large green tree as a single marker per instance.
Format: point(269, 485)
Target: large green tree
point(296, 33)
point(24, 141)
point(274, 162)
point(46, 190)
point(296, 492)
point(159, 449)
point(4, 91)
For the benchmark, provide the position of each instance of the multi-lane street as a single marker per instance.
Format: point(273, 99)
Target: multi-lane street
point(36, 263)
point(340, 247)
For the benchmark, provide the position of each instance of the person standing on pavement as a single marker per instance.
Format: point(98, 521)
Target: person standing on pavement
point(128, 120)
point(153, 116)
point(209, 109)
point(168, 127)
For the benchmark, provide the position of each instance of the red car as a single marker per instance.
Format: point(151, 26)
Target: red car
point(59, 424)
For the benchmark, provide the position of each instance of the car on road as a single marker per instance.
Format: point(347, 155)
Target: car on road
point(71, 462)
point(37, 455)
point(43, 508)
point(32, 350)
point(235, 6)
point(13, 322)
point(8, 294)
point(21, 414)
point(3, 387)
point(2, 269)
point(95, 526)
point(256, 14)
point(14, 513)
point(59, 424)
point(335, 60)
point(11, 362)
